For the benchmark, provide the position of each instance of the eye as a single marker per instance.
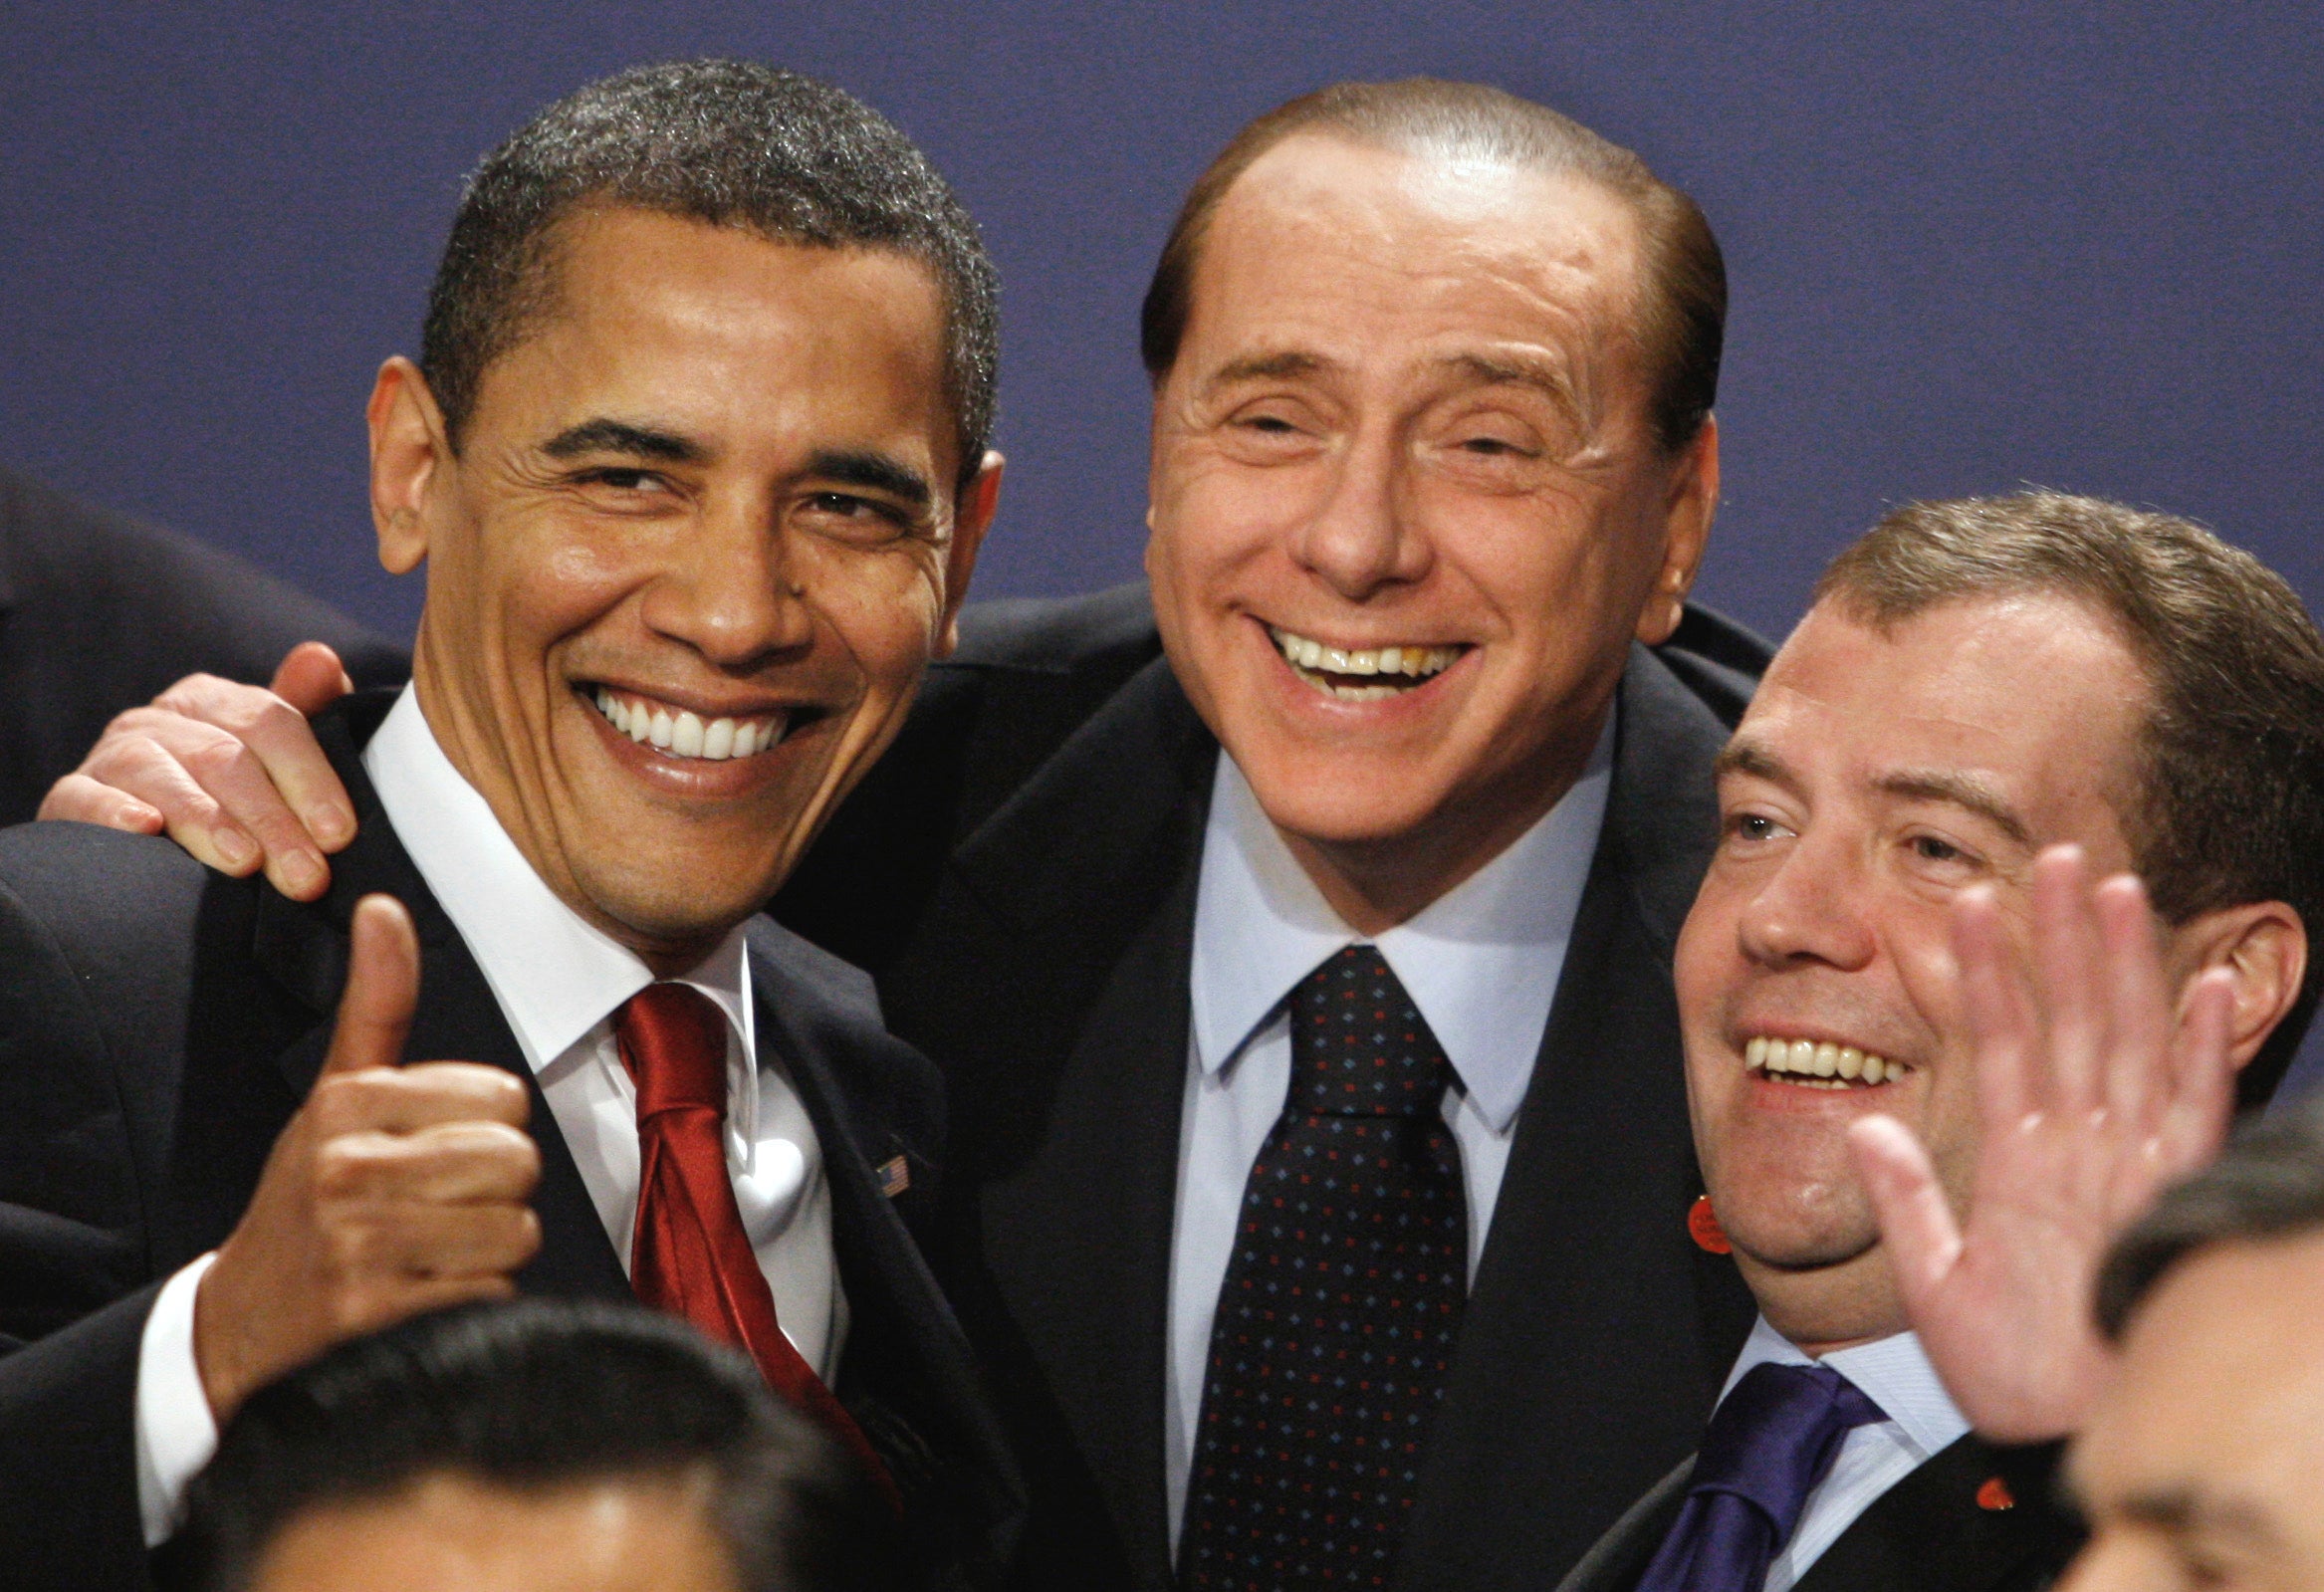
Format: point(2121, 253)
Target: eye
point(1929, 848)
point(623, 477)
point(851, 515)
point(1750, 829)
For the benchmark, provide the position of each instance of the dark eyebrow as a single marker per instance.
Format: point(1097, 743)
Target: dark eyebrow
point(1261, 368)
point(604, 435)
point(1544, 377)
point(2181, 1511)
point(1749, 756)
point(1964, 791)
point(878, 472)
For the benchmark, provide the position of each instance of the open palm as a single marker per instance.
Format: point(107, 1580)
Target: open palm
point(2095, 1088)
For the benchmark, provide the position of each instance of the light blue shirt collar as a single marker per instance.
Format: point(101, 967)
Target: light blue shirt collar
point(1472, 961)
point(556, 975)
point(1893, 1372)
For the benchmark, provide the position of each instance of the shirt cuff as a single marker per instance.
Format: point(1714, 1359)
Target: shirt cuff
point(177, 1433)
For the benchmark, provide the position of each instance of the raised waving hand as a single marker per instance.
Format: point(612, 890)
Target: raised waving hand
point(2097, 1084)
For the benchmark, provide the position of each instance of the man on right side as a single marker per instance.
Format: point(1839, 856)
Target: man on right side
point(1990, 701)
point(2199, 1467)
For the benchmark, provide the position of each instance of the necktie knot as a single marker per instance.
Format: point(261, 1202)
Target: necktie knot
point(673, 1041)
point(1770, 1444)
point(1359, 1046)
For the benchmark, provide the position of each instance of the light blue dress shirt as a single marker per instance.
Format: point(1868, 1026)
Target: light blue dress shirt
point(1894, 1373)
point(1482, 964)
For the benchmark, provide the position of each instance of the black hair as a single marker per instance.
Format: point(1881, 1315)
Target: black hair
point(534, 1394)
point(2269, 1184)
point(731, 143)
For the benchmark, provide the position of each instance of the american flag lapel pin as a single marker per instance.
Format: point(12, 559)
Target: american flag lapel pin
point(894, 1176)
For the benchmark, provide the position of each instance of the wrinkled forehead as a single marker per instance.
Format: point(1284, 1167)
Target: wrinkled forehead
point(1453, 240)
point(2037, 694)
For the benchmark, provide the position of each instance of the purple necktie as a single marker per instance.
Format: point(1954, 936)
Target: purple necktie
point(1771, 1440)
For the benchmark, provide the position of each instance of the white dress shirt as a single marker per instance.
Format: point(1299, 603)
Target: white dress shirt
point(558, 982)
point(1894, 1373)
point(1482, 964)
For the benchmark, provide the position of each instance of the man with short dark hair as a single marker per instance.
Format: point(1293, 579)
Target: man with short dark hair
point(1904, 999)
point(700, 506)
point(540, 1444)
point(2199, 1465)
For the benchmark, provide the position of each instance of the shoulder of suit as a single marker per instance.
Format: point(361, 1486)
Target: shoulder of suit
point(238, 618)
point(100, 891)
point(1716, 660)
point(1109, 630)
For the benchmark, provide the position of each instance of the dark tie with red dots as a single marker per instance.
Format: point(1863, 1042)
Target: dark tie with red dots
point(1342, 1302)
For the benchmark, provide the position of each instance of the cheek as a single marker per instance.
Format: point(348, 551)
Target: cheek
point(884, 608)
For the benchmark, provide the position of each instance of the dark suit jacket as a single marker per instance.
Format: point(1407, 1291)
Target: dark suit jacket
point(1019, 875)
point(158, 1025)
point(1934, 1532)
point(100, 612)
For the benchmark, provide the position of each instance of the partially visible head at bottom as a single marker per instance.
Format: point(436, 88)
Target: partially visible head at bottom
point(2204, 1464)
point(530, 1446)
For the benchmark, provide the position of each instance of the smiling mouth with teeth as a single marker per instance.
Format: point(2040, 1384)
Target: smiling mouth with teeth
point(1810, 1064)
point(1367, 674)
point(682, 734)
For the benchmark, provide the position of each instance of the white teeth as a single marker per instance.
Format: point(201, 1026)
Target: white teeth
point(1411, 663)
point(686, 735)
point(1824, 1065)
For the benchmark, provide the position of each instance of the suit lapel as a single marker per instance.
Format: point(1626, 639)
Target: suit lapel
point(1593, 1316)
point(1059, 1009)
point(907, 1373)
point(1975, 1519)
point(305, 948)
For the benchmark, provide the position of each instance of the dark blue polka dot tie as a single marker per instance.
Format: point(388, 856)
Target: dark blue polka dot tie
point(1341, 1305)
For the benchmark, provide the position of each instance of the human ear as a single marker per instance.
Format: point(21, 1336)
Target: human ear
point(1689, 504)
point(979, 501)
point(2265, 946)
point(408, 446)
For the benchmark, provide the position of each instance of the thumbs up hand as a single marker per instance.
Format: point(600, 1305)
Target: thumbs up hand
point(394, 1191)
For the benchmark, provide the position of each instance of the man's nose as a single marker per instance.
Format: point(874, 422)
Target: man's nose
point(1811, 908)
point(731, 590)
point(1364, 535)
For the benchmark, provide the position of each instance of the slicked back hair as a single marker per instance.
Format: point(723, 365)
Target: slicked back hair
point(2269, 1184)
point(1682, 318)
point(529, 1398)
point(730, 143)
point(2230, 802)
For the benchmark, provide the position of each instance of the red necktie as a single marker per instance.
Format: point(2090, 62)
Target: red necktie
point(690, 1255)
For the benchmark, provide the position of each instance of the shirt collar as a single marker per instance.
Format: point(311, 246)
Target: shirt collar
point(556, 975)
point(1481, 963)
point(1893, 1372)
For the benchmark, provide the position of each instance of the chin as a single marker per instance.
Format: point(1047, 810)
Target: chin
point(1338, 799)
point(1798, 1226)
point(668, 909)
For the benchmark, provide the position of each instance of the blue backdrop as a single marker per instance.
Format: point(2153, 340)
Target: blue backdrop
point(1971, 246)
